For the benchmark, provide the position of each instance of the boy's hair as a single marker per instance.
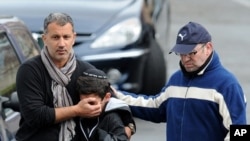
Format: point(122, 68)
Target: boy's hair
point(93, 81)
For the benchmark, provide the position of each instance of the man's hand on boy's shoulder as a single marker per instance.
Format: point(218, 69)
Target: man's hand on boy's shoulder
point(130, 130)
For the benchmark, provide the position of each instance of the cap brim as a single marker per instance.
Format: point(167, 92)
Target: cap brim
point(182, 49)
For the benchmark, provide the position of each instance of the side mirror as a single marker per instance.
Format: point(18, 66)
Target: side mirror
point(12, 103)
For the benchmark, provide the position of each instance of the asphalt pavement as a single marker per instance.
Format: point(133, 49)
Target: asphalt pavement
point(229, 24)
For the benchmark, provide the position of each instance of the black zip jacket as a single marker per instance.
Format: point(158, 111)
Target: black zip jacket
point(109, 126)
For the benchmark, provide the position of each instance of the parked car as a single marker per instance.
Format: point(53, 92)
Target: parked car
point(16, 46)
point(117, 36)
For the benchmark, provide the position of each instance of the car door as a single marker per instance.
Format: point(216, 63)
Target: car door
point(16, 46)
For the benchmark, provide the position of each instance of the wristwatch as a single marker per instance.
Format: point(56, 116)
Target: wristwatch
point(132, 128)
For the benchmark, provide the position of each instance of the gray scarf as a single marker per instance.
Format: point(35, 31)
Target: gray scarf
point(61, 77)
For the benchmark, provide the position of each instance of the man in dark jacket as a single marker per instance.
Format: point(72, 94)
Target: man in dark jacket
point(109, 126)
point(49, 105)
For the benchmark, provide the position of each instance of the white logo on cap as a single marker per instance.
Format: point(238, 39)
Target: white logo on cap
point(182, 36)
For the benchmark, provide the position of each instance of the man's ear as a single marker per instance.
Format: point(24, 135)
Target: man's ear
point(44, 38)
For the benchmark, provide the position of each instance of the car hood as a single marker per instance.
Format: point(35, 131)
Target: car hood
point(89, 15)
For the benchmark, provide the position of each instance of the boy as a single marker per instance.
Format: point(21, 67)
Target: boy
point(110, 125)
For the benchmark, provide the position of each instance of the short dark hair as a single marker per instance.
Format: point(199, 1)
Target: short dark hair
point(90, 83)
point(60, 18)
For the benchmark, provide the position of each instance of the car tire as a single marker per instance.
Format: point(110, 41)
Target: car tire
point(155, 73)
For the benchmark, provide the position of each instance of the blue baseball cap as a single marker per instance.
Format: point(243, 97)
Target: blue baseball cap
point(189, 36)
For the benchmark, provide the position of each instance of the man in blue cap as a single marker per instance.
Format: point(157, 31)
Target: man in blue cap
point(201, 100)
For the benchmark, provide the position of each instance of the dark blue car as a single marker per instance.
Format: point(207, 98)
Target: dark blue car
point(117, 36)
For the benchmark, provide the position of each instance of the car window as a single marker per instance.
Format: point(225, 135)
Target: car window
point(25, 42)
point(9, 64)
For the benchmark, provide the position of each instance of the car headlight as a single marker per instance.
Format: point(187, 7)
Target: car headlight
point(121, 34)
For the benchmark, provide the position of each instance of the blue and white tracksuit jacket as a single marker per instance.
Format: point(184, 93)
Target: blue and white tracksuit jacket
point(199, 108)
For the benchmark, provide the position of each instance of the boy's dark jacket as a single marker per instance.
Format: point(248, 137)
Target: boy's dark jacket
point(109, 126)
